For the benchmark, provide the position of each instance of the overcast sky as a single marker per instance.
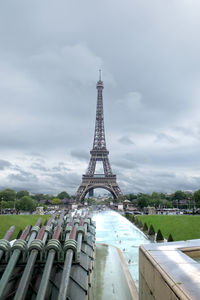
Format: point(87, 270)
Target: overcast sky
point(50, 54)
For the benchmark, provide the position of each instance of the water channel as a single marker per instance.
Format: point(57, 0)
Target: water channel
point(116, 230)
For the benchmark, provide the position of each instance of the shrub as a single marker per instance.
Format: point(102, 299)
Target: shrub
point(159, 236)
point(151, 230)
point(170, 238)
point(140, 224)
point(145, 227)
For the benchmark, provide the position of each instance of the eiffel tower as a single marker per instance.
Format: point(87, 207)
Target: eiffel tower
point(99, 152)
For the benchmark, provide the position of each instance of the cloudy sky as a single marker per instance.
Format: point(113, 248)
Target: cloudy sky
point(50, 54)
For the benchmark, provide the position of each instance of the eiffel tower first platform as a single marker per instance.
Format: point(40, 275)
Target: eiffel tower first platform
point(99, 152)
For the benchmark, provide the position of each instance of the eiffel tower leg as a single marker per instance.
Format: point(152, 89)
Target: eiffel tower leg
point(91, 193)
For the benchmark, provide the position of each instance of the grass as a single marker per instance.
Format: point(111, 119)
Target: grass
point(20, 222)
point(181, 227)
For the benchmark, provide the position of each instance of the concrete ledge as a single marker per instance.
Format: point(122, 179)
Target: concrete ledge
point(166, 272)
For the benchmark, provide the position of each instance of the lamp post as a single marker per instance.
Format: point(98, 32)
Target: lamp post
point(14, 204)
point(1, 204)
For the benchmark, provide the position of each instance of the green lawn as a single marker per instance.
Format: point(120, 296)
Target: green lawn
point(181, 227)
point(20, 222)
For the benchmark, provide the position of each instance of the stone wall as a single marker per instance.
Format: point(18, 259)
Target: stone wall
point(152, 285)
point(167, 273)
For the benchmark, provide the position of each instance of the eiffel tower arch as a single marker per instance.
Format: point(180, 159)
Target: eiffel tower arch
point(99, 153)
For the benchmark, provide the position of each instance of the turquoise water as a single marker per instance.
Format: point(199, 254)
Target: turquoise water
point(114, 229)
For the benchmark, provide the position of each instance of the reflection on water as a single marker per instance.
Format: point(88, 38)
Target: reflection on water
point(114, 229)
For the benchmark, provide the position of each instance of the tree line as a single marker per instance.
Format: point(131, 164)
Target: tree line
point(178, 199)
point(23, 200)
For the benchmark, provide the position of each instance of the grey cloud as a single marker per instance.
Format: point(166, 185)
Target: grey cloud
point(4, 164)
point(80, 154)
point(22, 176)
point(60, 168)
point(144, 181)
point(70, 179)
point(38, 166)
point(46, 181)
point(165, 137)
point(42, 168)
point(48, 71)
point(165, 175)
point(189, 131)
point(124, 164)
point(126, 140)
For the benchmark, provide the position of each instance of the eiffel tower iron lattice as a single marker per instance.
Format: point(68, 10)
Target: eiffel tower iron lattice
point(99, 153)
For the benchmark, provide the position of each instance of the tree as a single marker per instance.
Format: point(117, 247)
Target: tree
point(21, 194)
point(143, 200)
point(168, 204)
point(121, 198)
point(25, 203)
point(63, 195)
point(42, 204)
point(163, 196)
point(39, 197)
point(197, 198)
point(178, 196)
point(7, 204)
point(4, 204)
point(156, 199)
point(10, 204)
point(155, 195)
point(7, 195)
point(131, 197)
point(91, 201)
point(56, 201)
